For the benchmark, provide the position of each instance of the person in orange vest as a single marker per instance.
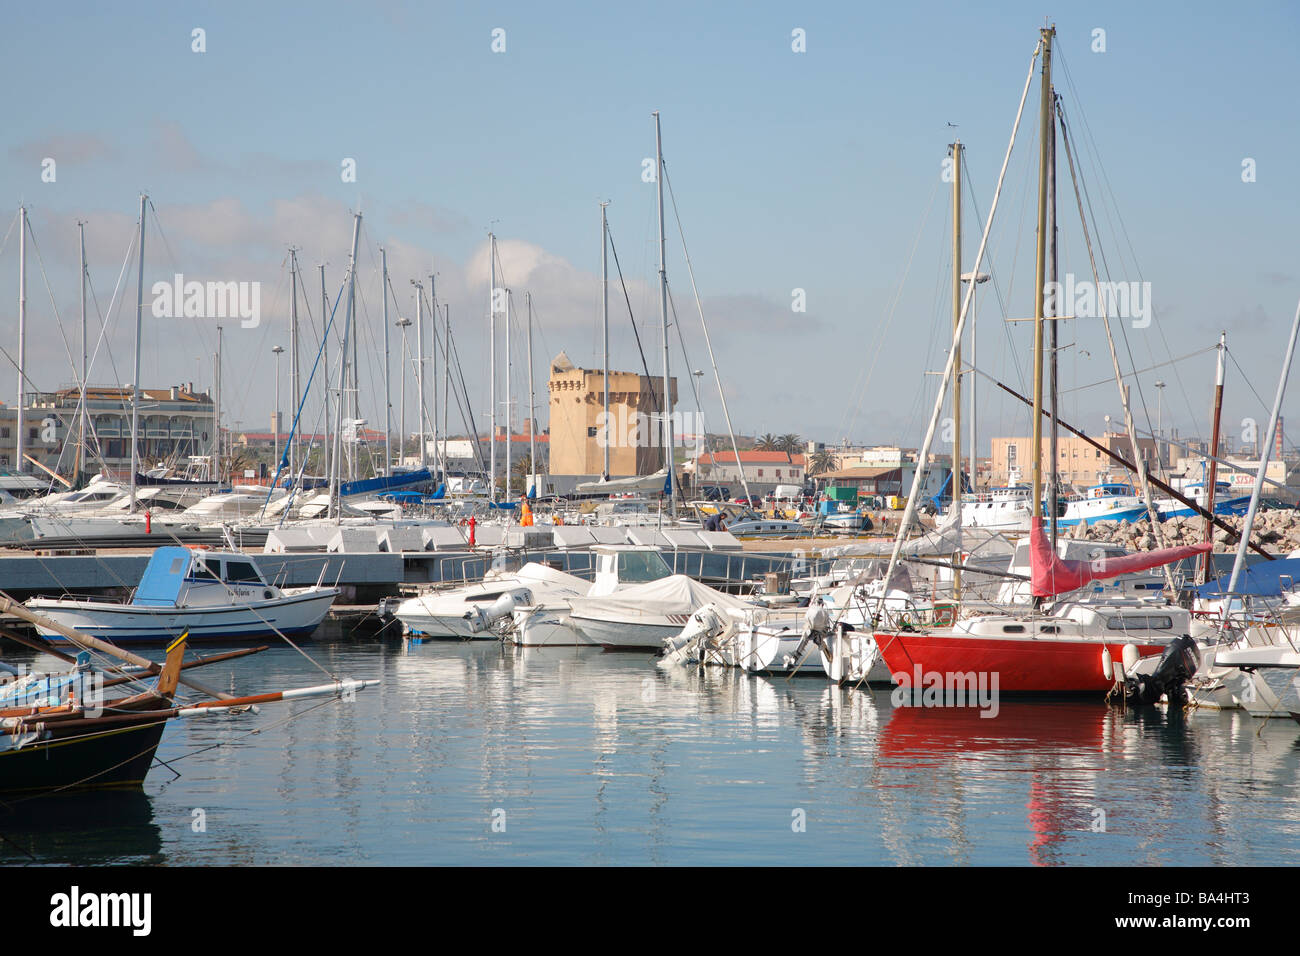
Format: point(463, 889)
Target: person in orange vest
point(526, 516)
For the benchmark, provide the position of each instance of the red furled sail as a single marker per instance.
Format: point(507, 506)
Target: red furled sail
point(1051, 575)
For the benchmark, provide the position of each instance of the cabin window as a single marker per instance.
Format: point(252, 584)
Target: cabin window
point(204, 573)
point(1152, 622)
point(176, 565)
point(1049, 629)
point(642, 566)
point(239, 571)
point(1013, 629)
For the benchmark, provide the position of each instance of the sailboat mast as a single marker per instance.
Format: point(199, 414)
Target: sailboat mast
point(1052, 323)
point(327, 448)
point(446, 376)
point(508, 429)
point(336, 488)
point(492, 369)
point(216, 406)
point(955, 487)
point(388, 383)
point(20, 462)
point(663, 308)
point(604, 323)
point(295, 401)
point(1040, 268)
point(85, 361)
point(1213, 456)
point(419, 365)
point(433, 366)
point(135, 386)
point(532, 421)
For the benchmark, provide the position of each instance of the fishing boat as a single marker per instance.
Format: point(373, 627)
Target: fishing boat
point(209, 594)
point(1110, 501)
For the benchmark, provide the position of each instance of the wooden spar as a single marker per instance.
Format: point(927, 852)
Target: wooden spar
point(1125, 463)
point(36, 645)
point(10, 606)
point(338, 688)
point(45, 647)
point(53, 474)
point(200, 662)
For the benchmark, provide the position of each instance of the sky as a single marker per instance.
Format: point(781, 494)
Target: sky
point(808, 176)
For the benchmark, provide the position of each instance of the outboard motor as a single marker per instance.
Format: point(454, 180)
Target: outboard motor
point(481, 619)
point(703, 626)
point(1177, 665)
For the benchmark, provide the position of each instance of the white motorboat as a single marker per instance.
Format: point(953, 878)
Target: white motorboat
point(642, 616)
point(211, 594)
point(547, 623)
point(477, 610)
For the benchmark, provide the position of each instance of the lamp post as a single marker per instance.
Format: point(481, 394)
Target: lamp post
point(403, 324)
point(275, 416)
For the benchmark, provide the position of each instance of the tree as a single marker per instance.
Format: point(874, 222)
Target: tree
point(767, 443)
point(821, 462)
point(790, 444)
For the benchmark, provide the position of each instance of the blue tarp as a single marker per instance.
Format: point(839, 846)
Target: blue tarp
point(370, 486)
point(160, 585)
point(1264, 578)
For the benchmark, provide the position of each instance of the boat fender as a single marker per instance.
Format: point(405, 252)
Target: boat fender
point(1107, 670)
point(1131, 657)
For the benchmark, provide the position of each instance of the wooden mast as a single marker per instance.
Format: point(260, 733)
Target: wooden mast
point(1040, 268)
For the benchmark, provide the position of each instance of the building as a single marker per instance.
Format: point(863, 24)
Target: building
point(174, 424)
point(1078, 463)
point(763, 470)
point(579, 431)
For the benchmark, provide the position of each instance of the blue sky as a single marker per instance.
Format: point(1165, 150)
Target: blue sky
point(815, 170)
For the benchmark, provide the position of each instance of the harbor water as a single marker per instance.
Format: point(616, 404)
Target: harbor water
point(482, 753)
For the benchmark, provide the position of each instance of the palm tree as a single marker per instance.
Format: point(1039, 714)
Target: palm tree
point(791, 444)
point(767, 443)
point(820, 462)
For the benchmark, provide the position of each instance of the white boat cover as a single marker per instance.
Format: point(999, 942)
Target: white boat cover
point(653, 482)
point(673, 595)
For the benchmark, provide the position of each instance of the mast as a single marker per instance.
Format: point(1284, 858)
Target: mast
point(85, 362)
point(327, 448)
point(216, 406)
point(663, 308)
point(604, 321)
point(293, 359)
point(388, 385)
point(446, 377)
point(20, 461)
point(532, 422)
point(135, 386)
point(336, 488)
point(1240, 561)
point(433, 362)
point(492, 369)
point(1052, 324)
point(508, 430)
point(1040, 269)
point(1214, 452)
point(419, 364)
point(956, 488)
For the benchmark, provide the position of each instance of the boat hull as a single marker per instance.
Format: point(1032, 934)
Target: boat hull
point(116, 757)
point(294, 616)
point(1021, 666)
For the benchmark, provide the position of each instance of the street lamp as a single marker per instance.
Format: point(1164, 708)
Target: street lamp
point(403, 324)
point(275, 417)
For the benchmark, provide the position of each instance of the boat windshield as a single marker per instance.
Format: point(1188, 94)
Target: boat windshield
point(639, 566)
